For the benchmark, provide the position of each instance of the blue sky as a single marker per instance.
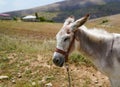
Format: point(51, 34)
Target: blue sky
point(11, 5)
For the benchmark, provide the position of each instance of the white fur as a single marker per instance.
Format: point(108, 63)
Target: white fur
point(68, 21)
point(112, 73)
point(100, 33)
point(115, 76)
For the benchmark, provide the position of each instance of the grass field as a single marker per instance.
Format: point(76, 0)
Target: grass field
point(26, 50)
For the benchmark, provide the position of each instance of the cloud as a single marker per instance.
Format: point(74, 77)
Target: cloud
point(3, 2)
point(19, 4)
point(23, 4)
point(31, 3)
point(11, 5)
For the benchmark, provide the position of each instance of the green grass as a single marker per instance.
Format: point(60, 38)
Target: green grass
point(17, 53)
point(48, 15)
point(24, 45)
point(80, 60)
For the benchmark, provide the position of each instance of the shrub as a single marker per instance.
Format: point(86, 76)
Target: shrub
point(104, 21)
point(42, 19)
point(78, 59)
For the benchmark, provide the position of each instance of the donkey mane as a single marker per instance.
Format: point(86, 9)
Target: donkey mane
point(96, 34)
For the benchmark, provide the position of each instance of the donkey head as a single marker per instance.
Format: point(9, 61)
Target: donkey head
point(64, 39)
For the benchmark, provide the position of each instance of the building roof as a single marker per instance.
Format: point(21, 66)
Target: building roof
point(5, 15)
point(29, 17)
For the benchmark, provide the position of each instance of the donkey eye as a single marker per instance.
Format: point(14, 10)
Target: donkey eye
point(67, 38)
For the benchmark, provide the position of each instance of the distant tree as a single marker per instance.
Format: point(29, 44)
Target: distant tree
point(15, 18)
point(36, 14)
point(104, 21)
point(42, 19)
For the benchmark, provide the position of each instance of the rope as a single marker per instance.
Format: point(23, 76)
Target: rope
point(69, 79)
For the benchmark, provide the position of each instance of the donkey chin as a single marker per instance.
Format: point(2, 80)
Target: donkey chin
point(59, 60)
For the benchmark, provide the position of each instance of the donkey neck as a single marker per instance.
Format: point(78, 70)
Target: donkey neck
point(93, 46)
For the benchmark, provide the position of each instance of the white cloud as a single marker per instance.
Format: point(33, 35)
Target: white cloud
point(11, 5)
point(23, 4)
point(19, 4)
point(3, 2)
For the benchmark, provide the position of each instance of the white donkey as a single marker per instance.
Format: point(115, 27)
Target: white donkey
point(101, 47)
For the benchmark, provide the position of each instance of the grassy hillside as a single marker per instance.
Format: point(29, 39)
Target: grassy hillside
point(29, 28)
point(26, 50)
point(48, 15)
point(60, 10)
point(109, 23)
point(96, 11)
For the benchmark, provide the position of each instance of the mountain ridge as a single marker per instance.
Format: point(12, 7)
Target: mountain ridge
point(97, 8)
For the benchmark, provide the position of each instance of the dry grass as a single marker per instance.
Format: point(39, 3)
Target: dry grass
point(26, 56)
point(112, 24)
point(30, 29)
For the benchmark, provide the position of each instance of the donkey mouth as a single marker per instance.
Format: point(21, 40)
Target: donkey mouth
point(58, 61)
point(60, 64)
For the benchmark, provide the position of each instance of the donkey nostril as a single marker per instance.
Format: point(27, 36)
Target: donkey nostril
point(57, 60)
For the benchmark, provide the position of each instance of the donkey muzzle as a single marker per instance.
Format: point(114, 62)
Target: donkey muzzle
point(58, 60)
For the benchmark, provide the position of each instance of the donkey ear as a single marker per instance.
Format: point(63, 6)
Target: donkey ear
point(79, 22)
point(69, 20)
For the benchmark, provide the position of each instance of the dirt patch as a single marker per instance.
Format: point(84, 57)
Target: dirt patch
point(81, 75)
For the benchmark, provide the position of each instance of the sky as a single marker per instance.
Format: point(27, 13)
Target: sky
point(12, 5)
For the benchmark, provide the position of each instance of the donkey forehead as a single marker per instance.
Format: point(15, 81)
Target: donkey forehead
point(61, 34)
point(64, 31)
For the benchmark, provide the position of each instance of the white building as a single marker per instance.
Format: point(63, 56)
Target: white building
point(29, 18)
point(5, 17)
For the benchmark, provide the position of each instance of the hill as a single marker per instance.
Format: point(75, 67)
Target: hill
point(109, 23)
point(60, 10)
